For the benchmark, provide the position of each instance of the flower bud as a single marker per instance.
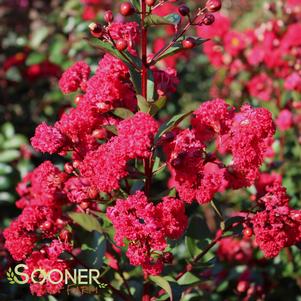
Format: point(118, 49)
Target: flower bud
point(126, 9)
point(213, 5)
point(68, 168)
point(248, 232)
point(99, 133)
point(78, 99)
point(121, 45)
point(45, 226)
point(189, 43)
point(65, 235)
point(108, 16)
point(208, 19)
point(84, 205)
point(184, 10)
point(150, 2)
point(168, 257)
point(242, 286)
point(96, 30)
point(75, 164)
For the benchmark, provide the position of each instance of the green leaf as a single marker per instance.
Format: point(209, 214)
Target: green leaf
point(111, 128)
point(171, 124)
point(138, 185)
point(164, 284)
point(13, 74)
point(15, 142)
point(191, 246)
point(38, 36)
point(88, 222)
point(35, 58)
point(6, 197)
point(177, 47)
point(106, 47)
point(188, 279)
point(123, 113)
point(233, 220)
point(198, 231)
point(172, 19)
point(93, 250)
point(5, 169)
point(56, 49)
point(158, 105)
point(136, 79)
point(234, 224)
point(9, 155)
point(126, 58)
point(8, 130)
point(136, 4)
point(4, 183)
point(143, 105)
point(150, 85)
point(172, 192)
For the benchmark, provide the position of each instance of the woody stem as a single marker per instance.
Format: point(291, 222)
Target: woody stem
point(143, 50)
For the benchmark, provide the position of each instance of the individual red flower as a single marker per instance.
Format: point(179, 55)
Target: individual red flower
point(47, 139)
point(248, 140)
point(234, 43)
point(284, 120)
point(277, 226)
point(18, 242)
point(74, 78)
point(79, 190)
point(261, 87)
point(293, 82)
point(212, 118)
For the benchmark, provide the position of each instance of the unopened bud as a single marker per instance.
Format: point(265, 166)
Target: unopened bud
point(96, 30)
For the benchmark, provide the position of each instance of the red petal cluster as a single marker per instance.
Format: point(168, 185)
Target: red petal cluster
point(74, 78)
point(146, 227)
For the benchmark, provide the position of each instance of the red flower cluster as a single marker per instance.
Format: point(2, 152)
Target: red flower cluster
point(277, 225)
point(246, 135)
point(48, 260)
point(41, 220)
point(146, 227)
point(106, 166)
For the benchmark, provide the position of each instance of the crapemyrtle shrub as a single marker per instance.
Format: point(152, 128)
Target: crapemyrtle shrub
point(189, 206)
